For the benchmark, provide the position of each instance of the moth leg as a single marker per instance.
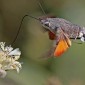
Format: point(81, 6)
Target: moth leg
point(76, 41)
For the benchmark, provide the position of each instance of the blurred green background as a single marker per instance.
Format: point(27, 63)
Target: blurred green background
point(69, 69)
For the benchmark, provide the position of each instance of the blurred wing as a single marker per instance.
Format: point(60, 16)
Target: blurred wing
point(63, 44)
point(61, 48)
point(49, 53)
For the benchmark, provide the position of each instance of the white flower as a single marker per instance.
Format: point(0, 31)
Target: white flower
point(9, 59)
point(2, 73)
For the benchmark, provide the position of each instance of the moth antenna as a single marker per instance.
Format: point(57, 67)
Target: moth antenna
point(23, 19)
point(41, 7)
point(21, 25)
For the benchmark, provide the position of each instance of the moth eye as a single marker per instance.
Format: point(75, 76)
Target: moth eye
point(47, 24)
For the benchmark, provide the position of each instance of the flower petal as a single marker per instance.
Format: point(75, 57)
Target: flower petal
point(15, 52)
point(2, 73)
point(9, 49)
point(2, 45)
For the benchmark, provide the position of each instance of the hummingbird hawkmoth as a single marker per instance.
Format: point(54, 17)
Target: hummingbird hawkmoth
point(61, 31)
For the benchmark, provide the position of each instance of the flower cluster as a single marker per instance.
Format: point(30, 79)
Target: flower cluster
point(9, 59)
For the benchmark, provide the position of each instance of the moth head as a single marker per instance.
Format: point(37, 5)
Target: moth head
point(45, 23)
point(49, 24)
